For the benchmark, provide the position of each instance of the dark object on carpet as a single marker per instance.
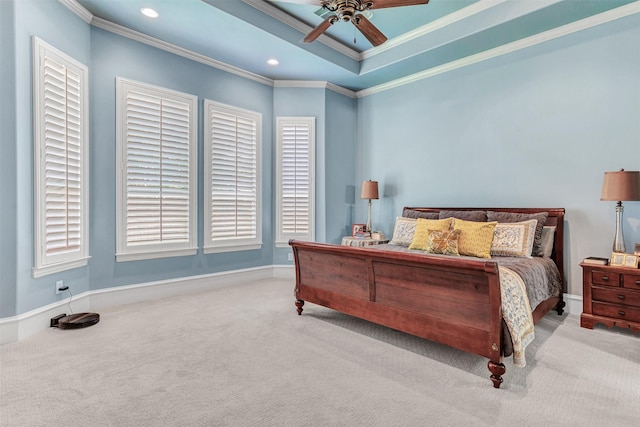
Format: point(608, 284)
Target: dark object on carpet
point(78, 320)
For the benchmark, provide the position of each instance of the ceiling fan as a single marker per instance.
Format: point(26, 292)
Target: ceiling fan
point(352, 11)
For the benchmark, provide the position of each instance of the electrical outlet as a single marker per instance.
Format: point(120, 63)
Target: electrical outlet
point(290, 257)
point(59, 286)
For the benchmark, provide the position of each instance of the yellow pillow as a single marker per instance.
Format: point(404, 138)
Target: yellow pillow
point(475, 237)
point(423, 226)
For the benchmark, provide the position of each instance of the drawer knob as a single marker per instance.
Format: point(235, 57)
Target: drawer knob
point(605, 278)
point(621, 297)
point(621, 313)
point(638, 282)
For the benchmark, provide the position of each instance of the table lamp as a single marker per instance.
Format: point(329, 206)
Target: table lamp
point(369, 191)
point(620, 186)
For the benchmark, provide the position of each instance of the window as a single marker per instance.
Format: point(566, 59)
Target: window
point(232, 187)
point(295, 179)
point(60, 94)
point(156, 180)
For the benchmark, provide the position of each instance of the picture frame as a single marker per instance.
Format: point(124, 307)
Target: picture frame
point(358, 228)
point(636, 249)
point(617, 259)
point(630, 261)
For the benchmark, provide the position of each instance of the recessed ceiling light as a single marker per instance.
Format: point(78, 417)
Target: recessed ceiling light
point(147, 11)
point(273, 61)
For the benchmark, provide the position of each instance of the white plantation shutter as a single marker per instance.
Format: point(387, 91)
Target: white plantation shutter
point(156, 150)
point(295, 197)
point(232, 193)
point(60, 118)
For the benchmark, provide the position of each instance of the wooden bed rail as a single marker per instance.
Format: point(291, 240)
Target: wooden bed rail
point(452, 301)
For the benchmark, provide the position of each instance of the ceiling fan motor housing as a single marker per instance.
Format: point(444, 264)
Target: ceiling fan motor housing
point(345, 10)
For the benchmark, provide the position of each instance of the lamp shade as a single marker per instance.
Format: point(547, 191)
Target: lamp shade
point(369, 190)
point(621, 186)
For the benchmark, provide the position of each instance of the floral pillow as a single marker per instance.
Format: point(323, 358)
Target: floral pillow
point(443, 242)
point(514, 239)
point(403, 231)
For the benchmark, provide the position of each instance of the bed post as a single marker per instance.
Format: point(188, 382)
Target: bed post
point(497, 371)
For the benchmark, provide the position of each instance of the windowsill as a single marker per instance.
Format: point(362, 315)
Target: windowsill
point(45, 270)
point(139, 256)
point(234, 248)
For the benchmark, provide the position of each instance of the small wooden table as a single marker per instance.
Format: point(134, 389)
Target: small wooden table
point(611, 296)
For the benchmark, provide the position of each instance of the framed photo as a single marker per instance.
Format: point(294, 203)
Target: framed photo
point(630, 261)
point(358, 228)
point(636, 250)
point(617, 259)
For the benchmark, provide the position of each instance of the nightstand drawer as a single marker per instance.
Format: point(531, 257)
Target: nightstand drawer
point(616, 311)
point(616, 296)
point(606, 278)
point(631, 281)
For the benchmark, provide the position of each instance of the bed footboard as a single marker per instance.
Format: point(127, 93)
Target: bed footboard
point(452, 301)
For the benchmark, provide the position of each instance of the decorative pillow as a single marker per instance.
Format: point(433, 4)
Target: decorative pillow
point(514, 239)
point(423, 226)
point(403, 231)
point(475, 237)
point(410, 213)
point(479, 216)
point(517, 217)
point(548, 239)
point(443, 242)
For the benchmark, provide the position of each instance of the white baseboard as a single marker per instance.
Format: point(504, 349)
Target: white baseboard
point(19, 327)
point(574, 303)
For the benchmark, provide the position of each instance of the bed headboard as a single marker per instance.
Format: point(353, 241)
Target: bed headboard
point(555, 218)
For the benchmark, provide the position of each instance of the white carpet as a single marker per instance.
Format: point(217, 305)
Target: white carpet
point(241, 356)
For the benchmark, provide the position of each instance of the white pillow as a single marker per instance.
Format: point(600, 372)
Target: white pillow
point(403, 231)
point(548, 239)
point(514, 238)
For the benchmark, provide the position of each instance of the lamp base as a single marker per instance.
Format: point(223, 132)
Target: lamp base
point(618, 240)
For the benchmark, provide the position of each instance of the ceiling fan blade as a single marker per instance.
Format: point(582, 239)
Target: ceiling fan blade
point(369, 30)
point(315, 33)
point(379, 4)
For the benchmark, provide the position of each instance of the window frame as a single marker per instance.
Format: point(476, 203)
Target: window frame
point(125, 251)
point(282, 238)
point(211, 245)
point(44, 262)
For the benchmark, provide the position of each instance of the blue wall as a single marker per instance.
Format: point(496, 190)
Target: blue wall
point(109, 56)
point(335, 150)
point(18, 291)
point(114, 56)
point(535, 128)
point(8, 236)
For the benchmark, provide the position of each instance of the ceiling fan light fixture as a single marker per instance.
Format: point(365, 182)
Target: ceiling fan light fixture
point(358, 12)
point(151, 13)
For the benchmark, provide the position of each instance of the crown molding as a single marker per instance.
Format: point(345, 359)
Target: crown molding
point(177, 50)
point(583, 24)
point(78, 9)
point(438, 24)
point(315, 85)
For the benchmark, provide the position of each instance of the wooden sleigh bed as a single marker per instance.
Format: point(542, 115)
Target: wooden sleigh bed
point(451, 300)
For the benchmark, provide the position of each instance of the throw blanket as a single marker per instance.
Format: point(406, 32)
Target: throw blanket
point(516, 313)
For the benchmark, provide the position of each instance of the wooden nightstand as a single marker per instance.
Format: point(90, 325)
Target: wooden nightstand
point(352, 241)
point(611, 296)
